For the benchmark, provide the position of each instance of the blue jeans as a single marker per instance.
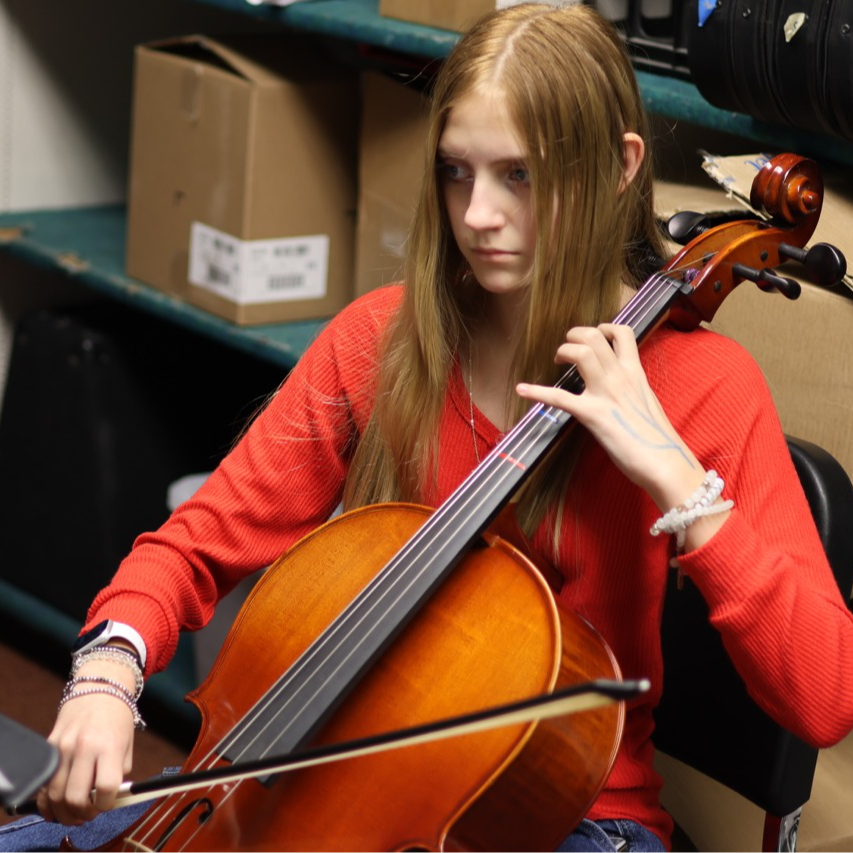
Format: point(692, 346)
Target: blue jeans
point(611, 836)
point(34, 833)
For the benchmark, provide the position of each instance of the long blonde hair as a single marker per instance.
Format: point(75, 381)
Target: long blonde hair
point(572, 93)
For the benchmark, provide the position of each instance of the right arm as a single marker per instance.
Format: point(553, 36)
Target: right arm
point(283, 479)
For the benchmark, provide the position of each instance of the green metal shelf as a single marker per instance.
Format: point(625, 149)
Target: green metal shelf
point(87, 244)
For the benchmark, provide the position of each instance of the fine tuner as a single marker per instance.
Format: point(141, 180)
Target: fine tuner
point(825, 265)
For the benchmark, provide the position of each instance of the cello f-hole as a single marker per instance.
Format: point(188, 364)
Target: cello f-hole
point(203, 817)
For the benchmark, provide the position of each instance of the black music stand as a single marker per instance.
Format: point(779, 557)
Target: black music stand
point(27, 761)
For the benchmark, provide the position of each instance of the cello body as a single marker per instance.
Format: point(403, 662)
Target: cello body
point(493, 633)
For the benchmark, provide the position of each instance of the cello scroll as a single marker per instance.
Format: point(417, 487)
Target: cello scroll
point(788, 191)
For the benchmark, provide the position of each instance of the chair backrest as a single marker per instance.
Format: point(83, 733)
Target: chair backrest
point(706, 718)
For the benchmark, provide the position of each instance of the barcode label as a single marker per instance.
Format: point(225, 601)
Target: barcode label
point(257, 271)
point(217, 275)
point(283, 282)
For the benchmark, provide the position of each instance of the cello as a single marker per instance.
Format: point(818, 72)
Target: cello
point(385, 617)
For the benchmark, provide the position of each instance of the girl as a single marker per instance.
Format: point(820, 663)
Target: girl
point(535, 217)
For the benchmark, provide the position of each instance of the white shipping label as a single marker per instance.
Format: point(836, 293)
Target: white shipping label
point(251, 272)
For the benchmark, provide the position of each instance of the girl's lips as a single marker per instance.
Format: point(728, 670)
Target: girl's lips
point(492, 253)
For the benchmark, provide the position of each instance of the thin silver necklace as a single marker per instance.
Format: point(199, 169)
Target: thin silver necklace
point(471, 404)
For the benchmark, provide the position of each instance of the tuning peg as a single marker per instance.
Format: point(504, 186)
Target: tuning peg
point(766, 279)
point(686, 225)
point(824, 264)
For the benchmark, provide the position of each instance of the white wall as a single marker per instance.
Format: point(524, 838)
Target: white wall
point(65, 89)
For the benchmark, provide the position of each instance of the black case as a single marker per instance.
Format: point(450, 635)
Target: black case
point(741, 60)
point(839, 66)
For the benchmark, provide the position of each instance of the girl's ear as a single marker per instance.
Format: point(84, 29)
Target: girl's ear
point(634, 149)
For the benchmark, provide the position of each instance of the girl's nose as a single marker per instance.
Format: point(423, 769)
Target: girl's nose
point(484, 211)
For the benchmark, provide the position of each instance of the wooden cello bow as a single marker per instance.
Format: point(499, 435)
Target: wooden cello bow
point(395, 615)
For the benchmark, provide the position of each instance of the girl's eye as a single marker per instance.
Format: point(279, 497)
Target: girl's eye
point(452, 171)
point(519, 174)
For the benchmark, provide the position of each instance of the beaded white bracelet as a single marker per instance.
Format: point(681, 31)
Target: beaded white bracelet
point(138, 722)
point(96, 679)
point(116, 655)
point(703, 502)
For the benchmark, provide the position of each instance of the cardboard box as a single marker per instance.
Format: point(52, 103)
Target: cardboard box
point(716, 818)
point(455, 15)
point(243, 177)
point(391, 167)
point(445, 14)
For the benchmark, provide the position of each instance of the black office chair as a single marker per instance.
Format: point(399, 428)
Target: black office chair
point(706, 719)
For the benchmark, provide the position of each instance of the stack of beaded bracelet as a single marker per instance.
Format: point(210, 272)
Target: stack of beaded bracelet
point(701, 503)
point(108, 686)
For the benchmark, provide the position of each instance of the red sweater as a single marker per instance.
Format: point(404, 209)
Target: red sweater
point(764, 574)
